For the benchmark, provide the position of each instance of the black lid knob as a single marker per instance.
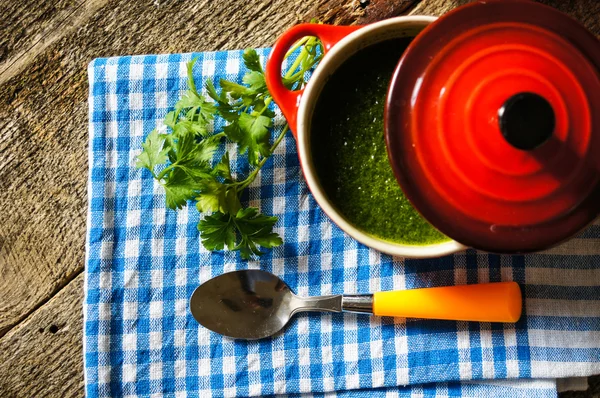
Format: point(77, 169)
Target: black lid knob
point(526, 120)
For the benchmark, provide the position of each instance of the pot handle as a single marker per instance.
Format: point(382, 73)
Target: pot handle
point(287, 100)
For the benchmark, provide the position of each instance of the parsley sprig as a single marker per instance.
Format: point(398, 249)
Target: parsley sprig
point(180, 157)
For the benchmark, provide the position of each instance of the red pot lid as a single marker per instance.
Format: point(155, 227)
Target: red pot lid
point(493, 125)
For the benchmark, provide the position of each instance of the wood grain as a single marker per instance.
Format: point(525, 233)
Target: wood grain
point(23, 25)
point(586, 12)
point(42, 357)
point(60, 26)
point(437, 8)
point(45, 46)
point(342, 12)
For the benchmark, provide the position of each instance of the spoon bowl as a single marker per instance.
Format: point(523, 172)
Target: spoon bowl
point(249, 304)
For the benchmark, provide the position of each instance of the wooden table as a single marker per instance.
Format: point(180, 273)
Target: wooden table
point(45, 46)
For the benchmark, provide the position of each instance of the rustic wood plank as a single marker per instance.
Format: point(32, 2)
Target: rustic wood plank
point(342, 12)
point(59, 27)
point(21, 25)
point(586, 12)
point(42, 357)
point(437, 8)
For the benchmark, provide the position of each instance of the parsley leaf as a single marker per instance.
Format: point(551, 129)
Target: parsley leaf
point(245, 231)
point(226, 110)
point(236, 91)
point(211, 197)
point(217, 231)
point(256, 81)
point(191, 170)
point(252, 60)
point(154, 152)
point(184, 156)
point(197, 111)
point(179, 188)
point(203, 151)
point(255, 136)
point(222, 168)
point(191, 152)
point(255, 230)
point(196, 108)
point(171, 119)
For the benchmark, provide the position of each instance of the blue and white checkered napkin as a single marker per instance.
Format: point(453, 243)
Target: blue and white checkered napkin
point(144, 261)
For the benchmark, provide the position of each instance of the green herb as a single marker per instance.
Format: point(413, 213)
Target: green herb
point(181, 159)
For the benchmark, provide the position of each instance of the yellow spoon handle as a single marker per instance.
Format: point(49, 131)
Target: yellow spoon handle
point(486, 302)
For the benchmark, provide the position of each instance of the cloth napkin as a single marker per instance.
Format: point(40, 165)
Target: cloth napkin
point(143, 262)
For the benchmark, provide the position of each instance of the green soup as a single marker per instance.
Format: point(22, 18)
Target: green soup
point(349, 152)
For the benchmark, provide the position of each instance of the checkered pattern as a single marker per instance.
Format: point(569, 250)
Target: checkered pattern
point(144, 261)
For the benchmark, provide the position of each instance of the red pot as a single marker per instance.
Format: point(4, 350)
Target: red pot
point(492, 122)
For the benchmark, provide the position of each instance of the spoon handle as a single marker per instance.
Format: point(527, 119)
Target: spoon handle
point(486, 302)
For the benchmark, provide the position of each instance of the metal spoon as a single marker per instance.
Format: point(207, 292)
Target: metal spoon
point(253, 304)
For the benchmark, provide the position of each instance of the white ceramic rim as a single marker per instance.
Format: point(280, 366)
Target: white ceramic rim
point(405, 26)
